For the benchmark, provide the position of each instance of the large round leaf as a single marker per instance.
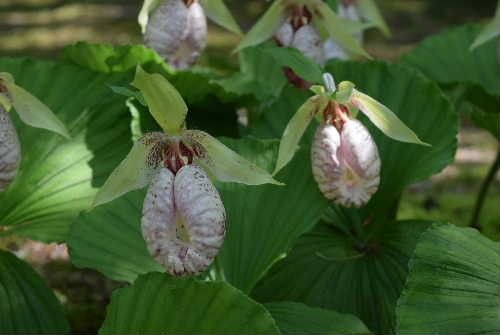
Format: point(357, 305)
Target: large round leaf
point(417, 101)
point(297, 318)
point(454, 284)
point(446, 58)
point(109, 239)
point(27, 305)
point(157, 303)
point(264, 221)
point(58, 177)
point(330, 270)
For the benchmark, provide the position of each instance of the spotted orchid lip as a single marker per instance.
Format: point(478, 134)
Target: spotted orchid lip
point(346, 164)
point(178, 32)
point(10, 150)
point(184, 220)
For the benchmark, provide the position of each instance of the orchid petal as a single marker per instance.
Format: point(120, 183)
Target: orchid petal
point(31, 110)
point(332, 23)
point(133, 173)
point(217, 11)
point(490, 31)
point(265, 28)
point(165, 104)
point(296, 128)
point(384, 119)
point(147, 7)
point(225, 164)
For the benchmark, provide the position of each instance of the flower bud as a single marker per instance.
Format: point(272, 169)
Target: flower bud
point(10, 150)
point(178, 32)
point(183, 220)
point(346, 165)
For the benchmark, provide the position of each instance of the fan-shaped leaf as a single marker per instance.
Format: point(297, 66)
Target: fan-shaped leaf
point(159, 304)
point(454, 284)
point(58, 178)
point(27, 305)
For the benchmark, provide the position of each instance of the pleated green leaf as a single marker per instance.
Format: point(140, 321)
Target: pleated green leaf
point(297, 318)
point(329, 269)
point(156, 303)
point(27, 304)
point(264, 221)
point(454, 284)
point(109, 239)
point(58, 178)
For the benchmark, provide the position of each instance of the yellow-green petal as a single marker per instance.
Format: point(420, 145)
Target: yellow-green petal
point(296, 128)
point(217, 11)
point(384, 119)
point(165, 103)
point(370, 11)
point(226, 165)
point(134, 172)
point(332, 24)
point(147, 7)
point(344, 92)
point(265, 27)
point(31, 110)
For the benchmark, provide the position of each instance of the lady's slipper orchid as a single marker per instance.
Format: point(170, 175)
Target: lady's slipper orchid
point(345, 158)
point(183, 216)
point(32, 112)
point(177, 29)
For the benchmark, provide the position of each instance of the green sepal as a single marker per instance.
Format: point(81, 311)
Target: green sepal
point(165, 103)
point(370, 11)
point(217, 11)
point(384, 119)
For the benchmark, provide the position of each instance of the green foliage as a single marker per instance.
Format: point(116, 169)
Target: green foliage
point(350, 274)
point(27, 305)
point(297, 318)
point(157, 303)
point(453, 286)
point(58, 178)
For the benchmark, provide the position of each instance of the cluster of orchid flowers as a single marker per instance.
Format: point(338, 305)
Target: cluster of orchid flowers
point(177, 29)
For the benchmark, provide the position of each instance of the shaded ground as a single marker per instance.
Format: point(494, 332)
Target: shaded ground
point(43, 27)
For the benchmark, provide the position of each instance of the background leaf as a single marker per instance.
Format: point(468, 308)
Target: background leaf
point(157, 303)
point(58, 178)
point(297, 318)
point(109, 239)
point(27, 305)
point(453, 286)
point(329, 269)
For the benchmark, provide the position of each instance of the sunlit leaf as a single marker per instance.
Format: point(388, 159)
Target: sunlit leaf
point(333, 25)
point(58, 178)
point(453, 286)
point(225, 164)
point(27, 304)
point(156, 303)
point(217, 11)
point(31, 110)
point(265, 27)
point(296, 128)
point(384, 118)
point(370, 11)
point(164, 101)
point(133, 173)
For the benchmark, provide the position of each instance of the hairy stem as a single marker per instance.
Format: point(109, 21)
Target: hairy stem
point(483, 191)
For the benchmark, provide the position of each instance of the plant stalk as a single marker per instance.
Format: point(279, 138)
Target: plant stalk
point(483, 191)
